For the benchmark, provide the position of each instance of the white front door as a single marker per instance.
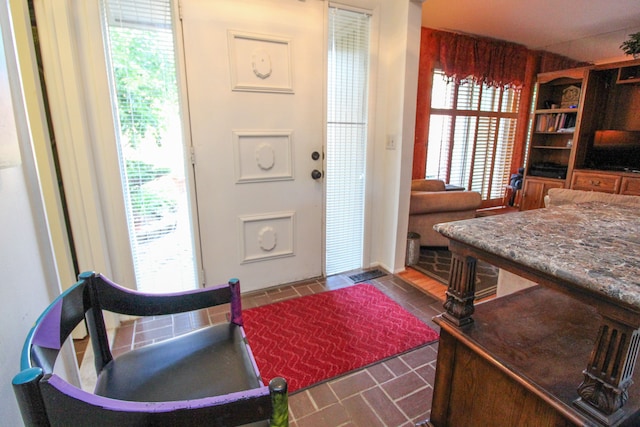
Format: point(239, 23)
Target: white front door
point(255, 76)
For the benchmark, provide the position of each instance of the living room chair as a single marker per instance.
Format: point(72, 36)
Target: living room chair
point(431, 204)
point(206, 377)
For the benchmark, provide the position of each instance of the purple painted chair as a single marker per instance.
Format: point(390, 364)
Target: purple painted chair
point(208, 376)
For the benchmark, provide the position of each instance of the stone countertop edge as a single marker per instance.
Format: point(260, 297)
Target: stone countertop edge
point(592, 245)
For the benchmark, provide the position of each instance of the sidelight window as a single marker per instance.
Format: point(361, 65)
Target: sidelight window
point(141, 55)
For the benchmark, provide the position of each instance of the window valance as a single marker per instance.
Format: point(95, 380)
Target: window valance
point(485, 61)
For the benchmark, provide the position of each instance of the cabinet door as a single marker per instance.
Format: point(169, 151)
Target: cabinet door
point(630, 186)
point(534, 191)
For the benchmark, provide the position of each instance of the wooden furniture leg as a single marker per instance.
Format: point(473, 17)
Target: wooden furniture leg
point(608, 375)
point(462, 289)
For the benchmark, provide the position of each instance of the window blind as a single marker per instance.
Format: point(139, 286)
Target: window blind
point(150, 145)
point(347, 86)
point(471, 135)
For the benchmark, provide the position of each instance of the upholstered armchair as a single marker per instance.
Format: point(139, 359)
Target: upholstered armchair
point(432, 204)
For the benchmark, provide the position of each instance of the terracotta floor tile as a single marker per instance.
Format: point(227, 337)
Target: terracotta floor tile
point(333, 415)
point(301, 405)
point(380, 373)
point(222, 308)
point(397, 366)
point(124, 337)
point(352, 384)
point(417, 405)
point(322, 395)
point(384, 407)
point(360, 413)
point(217, 318)
point(318, 287)
point(419, 357)
point(154, 334)
point(306, 289)
point(255, 301)
point(427, 372)
point(404, 385)
point(283, 294)
point(158, 322)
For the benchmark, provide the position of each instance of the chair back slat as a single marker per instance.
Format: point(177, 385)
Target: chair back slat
point(116, 298)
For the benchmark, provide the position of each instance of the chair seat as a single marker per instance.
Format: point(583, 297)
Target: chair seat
point(209, 362)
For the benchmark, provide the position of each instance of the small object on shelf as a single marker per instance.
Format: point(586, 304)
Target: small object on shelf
point(548, 170)
point(570, 97)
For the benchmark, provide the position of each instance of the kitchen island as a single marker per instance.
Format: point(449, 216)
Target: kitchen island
point(562, 353)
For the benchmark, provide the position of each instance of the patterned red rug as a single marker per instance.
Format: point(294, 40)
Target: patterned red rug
point(317, 337)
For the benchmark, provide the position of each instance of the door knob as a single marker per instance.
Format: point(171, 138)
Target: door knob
point(316, 174)
point(315, 155)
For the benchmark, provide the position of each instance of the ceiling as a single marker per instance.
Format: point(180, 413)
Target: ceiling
point(585, 30)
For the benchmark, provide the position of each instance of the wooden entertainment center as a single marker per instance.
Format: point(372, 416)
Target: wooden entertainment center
point(585, 132)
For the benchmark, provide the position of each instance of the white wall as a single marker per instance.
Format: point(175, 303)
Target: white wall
point(28, 278)
point(395, 110)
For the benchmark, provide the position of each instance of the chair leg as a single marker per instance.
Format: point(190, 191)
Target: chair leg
point(280, 402)
point(236, 302)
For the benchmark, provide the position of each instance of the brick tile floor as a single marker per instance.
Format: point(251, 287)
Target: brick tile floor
point(394, 392)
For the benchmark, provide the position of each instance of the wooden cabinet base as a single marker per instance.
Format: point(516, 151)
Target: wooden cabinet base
point(518, 364)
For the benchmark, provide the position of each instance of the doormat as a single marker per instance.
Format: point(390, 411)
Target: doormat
point(436, 263)
point(367, 275)
point(318, 337)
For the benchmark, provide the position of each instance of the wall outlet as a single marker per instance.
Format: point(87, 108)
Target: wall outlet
point(391, 142)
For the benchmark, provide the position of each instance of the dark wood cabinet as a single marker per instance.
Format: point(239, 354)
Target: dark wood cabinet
point(534, 191)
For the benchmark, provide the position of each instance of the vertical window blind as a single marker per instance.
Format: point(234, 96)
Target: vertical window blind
point(348, 74)
point(150, 144)
point(471, 135)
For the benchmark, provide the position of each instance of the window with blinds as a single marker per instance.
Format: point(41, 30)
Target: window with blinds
point(471, 135)
point(141, 55)
point(347, 86)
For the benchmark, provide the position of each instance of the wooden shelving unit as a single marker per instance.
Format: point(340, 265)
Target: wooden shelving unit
point(555, 122)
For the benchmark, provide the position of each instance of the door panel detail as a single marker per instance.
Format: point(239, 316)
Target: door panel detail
point(260, 63)
point(263, 155)
point(266, 236)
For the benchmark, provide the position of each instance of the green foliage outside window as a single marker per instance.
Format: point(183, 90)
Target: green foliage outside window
point(141, 72)
point(146, 93)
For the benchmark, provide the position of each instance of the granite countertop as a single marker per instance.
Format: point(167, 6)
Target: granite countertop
point(592, 245)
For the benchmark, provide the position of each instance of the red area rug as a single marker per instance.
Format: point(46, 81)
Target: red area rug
point(317, 337)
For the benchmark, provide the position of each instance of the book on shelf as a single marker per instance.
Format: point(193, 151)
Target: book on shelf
point(556, 122)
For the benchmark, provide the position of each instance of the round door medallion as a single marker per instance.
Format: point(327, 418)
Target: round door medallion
point(267, 238)
point(261, 64)
point(265, 156)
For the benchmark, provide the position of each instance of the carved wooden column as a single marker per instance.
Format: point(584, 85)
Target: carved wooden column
point(608, 375)
point(462, 289)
